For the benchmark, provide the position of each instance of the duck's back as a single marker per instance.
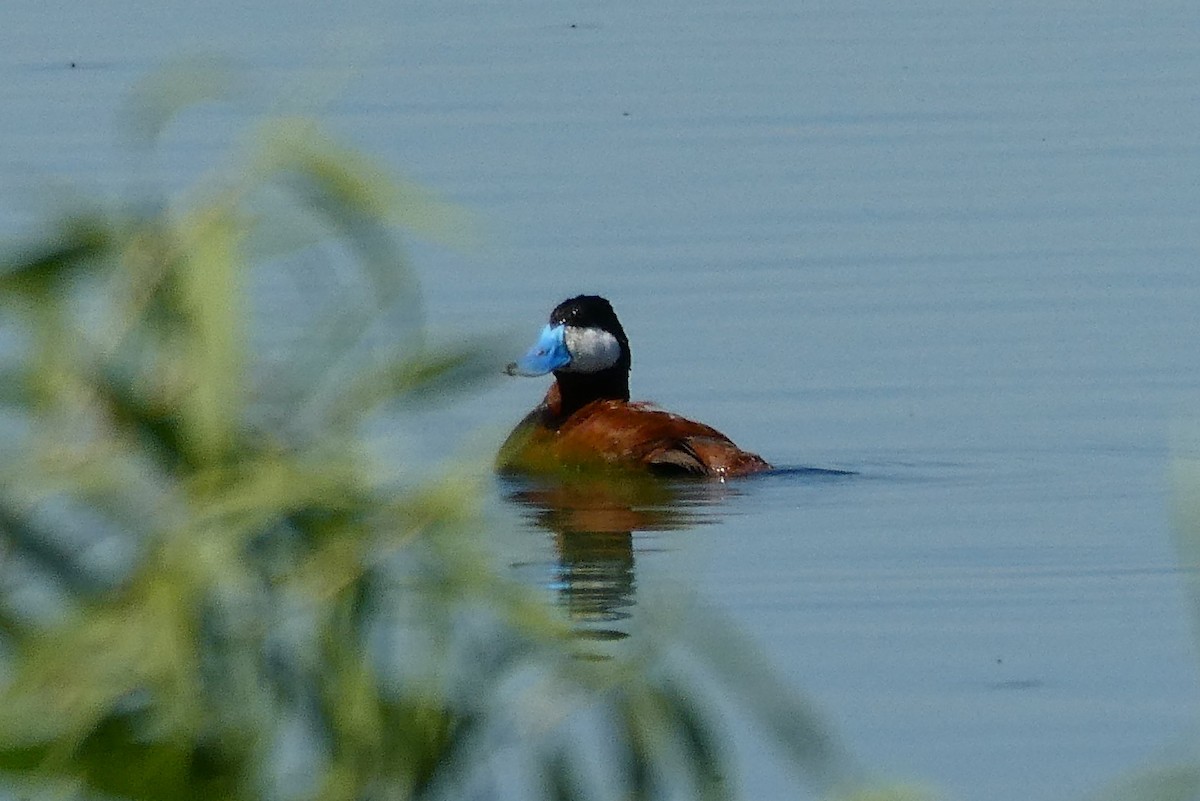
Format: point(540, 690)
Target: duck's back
point(621, 434)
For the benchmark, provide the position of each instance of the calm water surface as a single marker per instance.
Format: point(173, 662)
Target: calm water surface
point(948, 248)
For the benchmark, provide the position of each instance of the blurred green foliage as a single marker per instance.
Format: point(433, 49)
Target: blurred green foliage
point(210, 587)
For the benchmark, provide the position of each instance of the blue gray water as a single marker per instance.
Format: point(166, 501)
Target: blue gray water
point(948, 247)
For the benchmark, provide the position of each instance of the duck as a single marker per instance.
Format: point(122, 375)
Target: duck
point(586, 419)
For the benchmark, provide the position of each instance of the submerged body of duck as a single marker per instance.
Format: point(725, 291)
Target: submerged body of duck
point(587, 419)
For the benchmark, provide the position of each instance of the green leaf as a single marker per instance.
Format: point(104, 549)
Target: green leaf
point(167, 768)
point(156, 427)
point(211, 294)
point(39, 267)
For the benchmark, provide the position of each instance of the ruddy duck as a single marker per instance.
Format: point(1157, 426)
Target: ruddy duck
point(586, 418)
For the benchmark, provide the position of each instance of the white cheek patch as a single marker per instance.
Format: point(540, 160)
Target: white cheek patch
point(591, 349)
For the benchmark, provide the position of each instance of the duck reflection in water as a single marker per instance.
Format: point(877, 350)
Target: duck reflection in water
point(594, 518)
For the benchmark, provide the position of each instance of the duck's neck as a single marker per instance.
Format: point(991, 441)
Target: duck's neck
point(576, 390)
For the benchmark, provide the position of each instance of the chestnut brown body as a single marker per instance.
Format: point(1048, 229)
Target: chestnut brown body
point(615, 433)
